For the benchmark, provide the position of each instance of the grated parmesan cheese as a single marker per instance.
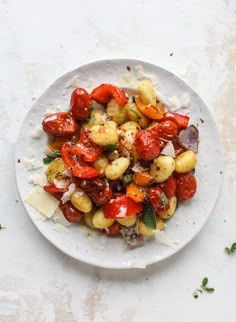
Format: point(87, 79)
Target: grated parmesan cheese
point(139, 72)
point(169, 150)
point(66, 195)
point(162, 238)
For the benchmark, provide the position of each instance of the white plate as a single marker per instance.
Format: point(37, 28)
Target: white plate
point(189, 217)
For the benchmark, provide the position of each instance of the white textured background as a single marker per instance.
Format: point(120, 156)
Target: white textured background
point(39, 41)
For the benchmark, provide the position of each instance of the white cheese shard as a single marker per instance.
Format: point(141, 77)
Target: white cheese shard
point(104, 117)
point(42, 201)
point(66, 195)
point(38, 179)
point(169, 150)
point(122, 213)
point(61, 183)
point(138, 168)
point(139, 72)
point(60, 228)
point(74, 82)
point(47, 151)
point(180, 104)
point(162, 238)
point(38, 132)
point(32, 164)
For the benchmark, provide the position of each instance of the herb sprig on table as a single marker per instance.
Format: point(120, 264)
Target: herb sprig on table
point(2, 227)
point(231, 250)
point(203, 288)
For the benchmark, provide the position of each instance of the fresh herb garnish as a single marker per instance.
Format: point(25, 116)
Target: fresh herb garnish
point(1, 227)
point(128, 178)
point(231, 250)
point(49, 159)
point(135, 112)
point(202, 288)
point(110, 148)
point(149, 217)
point(91, 119)
point(91, 108)
point(164, 199)
point(193, 170)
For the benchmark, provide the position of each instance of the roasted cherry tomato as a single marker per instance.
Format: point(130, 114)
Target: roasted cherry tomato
point(71, 214)
point(114, 229)
point(177, 147)
point(186, 185)
point(121, 207)
point(158, 200)
point(60, 124)
point(80, 104)
point(169, 187)
point(52, 188)
point(147, 144)
point(179, 119)
point(98, 189)
point(167, 130)
point(86, 148)
point(74, 163)
point(103, 94)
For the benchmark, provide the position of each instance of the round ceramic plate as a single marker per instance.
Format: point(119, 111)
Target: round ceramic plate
point(95, 248)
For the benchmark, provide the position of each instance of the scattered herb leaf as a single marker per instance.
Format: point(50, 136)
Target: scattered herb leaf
point(204, 282)
point(149, 217)
point(231, 249)
point(164, 199)
point(135, 112)
point(91, 119)
point(193, 170)
point(128, 178)
point(202, 288)
point(110, 148)
point(1, 227)
point(47, 160)
point(91, 108)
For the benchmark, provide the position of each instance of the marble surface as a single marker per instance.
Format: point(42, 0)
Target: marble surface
point(44, 39)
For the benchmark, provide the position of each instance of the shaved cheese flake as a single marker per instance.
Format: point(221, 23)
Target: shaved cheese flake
point(42, 201)
point(139, 72)
point(38, 132)
point(169, 150)
point(162, 238)
point(38, 179)
point(61, 228)
point(138, 168)
point(122, 213)
point(61, 183)
point(32, 164)
point(73, 83)
point(104, 117)
point(66, 195)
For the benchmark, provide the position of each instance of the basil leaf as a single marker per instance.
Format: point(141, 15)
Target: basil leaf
point(227, 250)
point(193, 170)
point(91, 108)
point(209, 289)
point(204, 282)
point(164, 199)
point(135, 112)
point(1, 227)
point(110, 148)
point(47, 160)
point(149, 217)
point(128, 178)
point(91, 119)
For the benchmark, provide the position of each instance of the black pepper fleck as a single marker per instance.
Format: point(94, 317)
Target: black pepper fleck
point(171, 54)
point(128, 68)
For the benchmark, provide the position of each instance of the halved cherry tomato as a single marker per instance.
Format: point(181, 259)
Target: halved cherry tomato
point(71, 214)
point(147, 144)
point(179, 119)
point(167, 130)
point(177, 147)
point(86, 148)
point(56, 143)
point(80, 104)
point(158, 200)
point(60, 124)
point(98, 189)
point(53, 188)
point(186, 185)
point(122, 207)
point(153, 112)
point(114, 229)
point(74, 163)
point(169, 187)
point(103, 94)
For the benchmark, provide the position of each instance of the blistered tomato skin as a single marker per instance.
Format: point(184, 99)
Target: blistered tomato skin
point(105, 92)
point(167, 130)
point(186, 185)
point(80, 104)
point(156, 198)
point(98, 189)
point(147, 144)
point(179, 119)
point(71, 214)
point(169, 187)
point(60, 124)
point(86, 148)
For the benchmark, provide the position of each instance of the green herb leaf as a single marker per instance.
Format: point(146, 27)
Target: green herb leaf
point(193, 170)
point(135, 112)
point(47, 160)
point(128, 178)
point(195, 295)
point(91, 108)
point(231, 249)
point(164, 199)
point(204, 282)
point(209, 289)
point(91, 119)
point(149, 217)
point(1, 227)
point(110, 148)
point(227, 250)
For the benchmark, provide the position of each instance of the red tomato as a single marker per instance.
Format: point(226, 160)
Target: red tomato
point(114, 229)
point(103, 94)
point(60, 124)
point(158, 200)
point(74, 163)
point(52, 188)
point(121, 207)
point(98, 189)
point(186, 185)
point(80, 104)
point(179, 119)
point(167, 130)
point(178, 148)
point(169, 187)
point(147, 144)
point(71, 214)
point(88, 150)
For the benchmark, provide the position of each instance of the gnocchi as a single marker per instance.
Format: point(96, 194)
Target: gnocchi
point(170, 212)
point(127, 221)
point(104, 135)
point(136, 116)
point(55, 170)
point(116, 168)
point(81, 201)
point(99, 221)
point(146, 92)
point(162, 167)
point(185, 162)
point(117, 113)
